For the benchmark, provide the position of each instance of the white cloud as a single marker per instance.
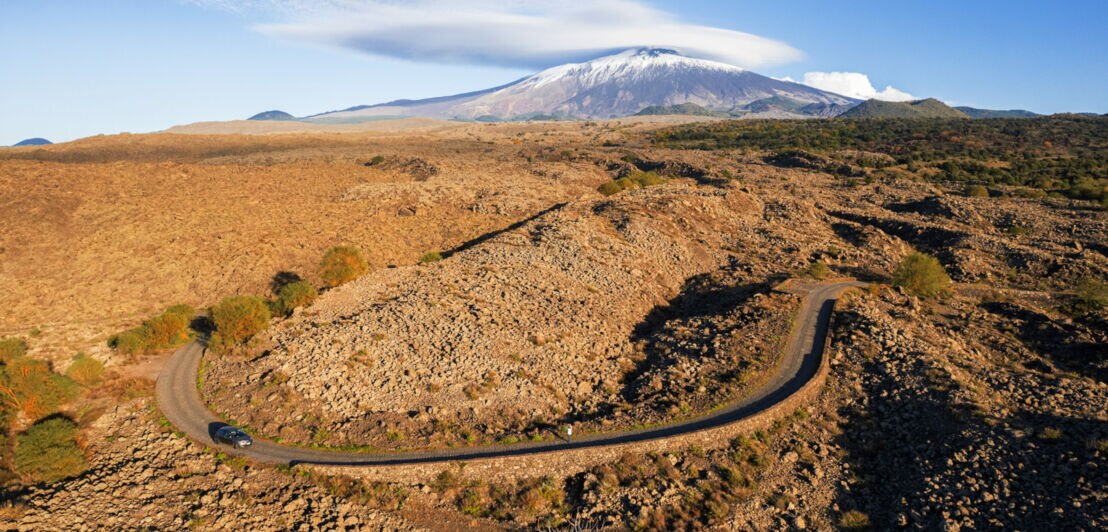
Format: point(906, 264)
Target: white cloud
point(511, 33)
point(855, 85)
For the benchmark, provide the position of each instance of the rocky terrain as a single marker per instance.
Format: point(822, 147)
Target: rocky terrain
point(147, 477)
point(539, 324)
point(982, 408)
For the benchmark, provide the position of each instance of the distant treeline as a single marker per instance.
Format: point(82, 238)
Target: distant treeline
point(1063, 153)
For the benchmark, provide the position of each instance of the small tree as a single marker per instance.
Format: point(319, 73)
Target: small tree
point(171, 328)
point(238, 318)
point(430, 256)
point(85, 370)
point(293, 295)
point(341, 265)
point(48, 451)
point(922, 275)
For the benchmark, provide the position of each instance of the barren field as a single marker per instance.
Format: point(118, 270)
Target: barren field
point(101, 233)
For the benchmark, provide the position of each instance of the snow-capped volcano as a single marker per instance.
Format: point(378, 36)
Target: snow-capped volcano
point(620, 85)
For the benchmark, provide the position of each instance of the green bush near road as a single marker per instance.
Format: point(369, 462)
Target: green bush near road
point(293, 295)
point(430, 256)
point(819, 270)
point(922, 275)
point(48, 451)
point(171, 328)
point(85, 370)
point(236, 320)
point(168, 329)
point(341, 265)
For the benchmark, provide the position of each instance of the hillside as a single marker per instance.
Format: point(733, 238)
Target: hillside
point(690, 109)
point(37, 141)
point(272, 115)
point(929, 108)
point(991, 113)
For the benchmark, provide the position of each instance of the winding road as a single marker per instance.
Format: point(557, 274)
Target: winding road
point(180, 402)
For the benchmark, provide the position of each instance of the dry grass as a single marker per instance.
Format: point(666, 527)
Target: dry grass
point(103, 232)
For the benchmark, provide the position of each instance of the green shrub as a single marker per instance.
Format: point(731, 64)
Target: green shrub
point(131, 342)
point(376, 160)
point(1032, 193)
point(28, 385)
point(647, 179)
point(922, 275)
point(1092, 294)
point(854, 520)
point(609, 188)
point(1050, 434)
point(48, 451)
point(1090, 189)
point(634, 180)
point(11, 349)
point(430, 256)
point(342, 264)
point(977, 191)
point(238, 318)
point(819, 270)
point(293, 295)
point(168, 329)
point(85, 370)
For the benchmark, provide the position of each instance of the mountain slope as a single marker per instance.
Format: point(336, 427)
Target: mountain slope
point(929, 108)
point(37, 141)
point(688, 109)
point(272, 115)
point(617, 85)
point(990, 113)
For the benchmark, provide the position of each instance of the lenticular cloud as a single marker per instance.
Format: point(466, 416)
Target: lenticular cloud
point(531, 34)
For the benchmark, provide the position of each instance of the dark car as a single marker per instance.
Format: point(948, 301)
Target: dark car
point(233, 436)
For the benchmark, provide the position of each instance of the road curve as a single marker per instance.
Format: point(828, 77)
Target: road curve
point(180, 402)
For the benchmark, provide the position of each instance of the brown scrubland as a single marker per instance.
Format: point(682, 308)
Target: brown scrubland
point(524, 276)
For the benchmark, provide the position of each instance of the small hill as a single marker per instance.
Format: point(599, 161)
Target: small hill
point(929, 108)
point(991, 113)
point(272, 115)
point(679, 109)
point(33, 142)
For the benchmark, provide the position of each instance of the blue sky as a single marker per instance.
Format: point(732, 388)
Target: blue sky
point(74, 68)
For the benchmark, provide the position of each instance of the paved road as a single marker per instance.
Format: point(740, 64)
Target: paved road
point(180, 402)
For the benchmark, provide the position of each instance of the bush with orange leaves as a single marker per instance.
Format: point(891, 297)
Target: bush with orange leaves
point(341, 265)
point(29, 386)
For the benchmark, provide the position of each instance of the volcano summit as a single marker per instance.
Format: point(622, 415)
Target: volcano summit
point(618, 85)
